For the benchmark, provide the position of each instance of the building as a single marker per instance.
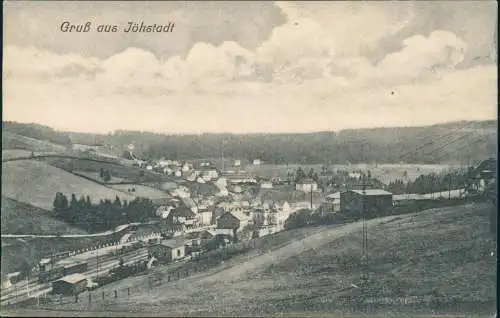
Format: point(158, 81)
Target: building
point(374, 202)
point(70, 285)
point(355, 175)
point(272, 213)
point(234, 220)
point(483, 175)
point(306, 185)
point(237, 177)
point(163, 211)
point(265, 184)
point(284, 210)
point(331, 203)
point(204, 217)
point(181, 218)
point(237, 163)
point(168, 250)
point(11, 278)
point(186, 167)
point(181, 192)
point(257, 162)
point(303, 205)
point(209, 174)
point(208, 235)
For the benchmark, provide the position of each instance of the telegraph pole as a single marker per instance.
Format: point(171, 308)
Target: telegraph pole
point(364, 257)
point(222, 156)
point(311, 197)
point(97, 256)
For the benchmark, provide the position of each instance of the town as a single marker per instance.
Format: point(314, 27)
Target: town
point(200, 208)
point(260, 159)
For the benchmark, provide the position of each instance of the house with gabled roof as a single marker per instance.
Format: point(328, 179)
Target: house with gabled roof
point(234, 220)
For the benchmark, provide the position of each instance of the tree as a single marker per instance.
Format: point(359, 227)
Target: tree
point(299, 175)
point(299, 219)
point(74, 203)
point(60, 204)
point(88, 203)
point(311, 173)
point(106, 176)
point(118, 203)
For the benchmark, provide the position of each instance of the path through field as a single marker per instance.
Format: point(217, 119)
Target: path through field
point(174, 296)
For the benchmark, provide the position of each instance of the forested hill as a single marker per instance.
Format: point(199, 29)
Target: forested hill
point(441, 143)
point(36, 131)
point(451, 142)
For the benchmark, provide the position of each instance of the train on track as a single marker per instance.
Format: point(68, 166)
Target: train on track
point(61, 271)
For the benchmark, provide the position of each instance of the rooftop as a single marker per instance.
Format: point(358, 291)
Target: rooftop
point(173, 243)
point(215, 232)
point(372, 192)
point(333, 196)
point(239, 215)
point(306, 181)
point(73, 278)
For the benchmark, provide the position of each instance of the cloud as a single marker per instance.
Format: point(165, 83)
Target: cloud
point(223, 63)
point(352, 26)
point(311, 73)
point(422, 56)
point(31, 62)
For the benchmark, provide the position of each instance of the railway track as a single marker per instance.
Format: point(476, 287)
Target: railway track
point(24, 290)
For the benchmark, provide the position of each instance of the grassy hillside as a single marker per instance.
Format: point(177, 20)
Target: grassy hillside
point(15, 141)
point(36, 183)
point(140, 191)
point(15, 153)
point(118, 171)
point(440, 255)
point(37, 131)
point(22, 218)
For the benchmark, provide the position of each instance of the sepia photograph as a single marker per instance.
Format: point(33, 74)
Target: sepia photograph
point(249, 159)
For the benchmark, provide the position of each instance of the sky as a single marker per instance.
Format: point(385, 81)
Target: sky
point(250, 67)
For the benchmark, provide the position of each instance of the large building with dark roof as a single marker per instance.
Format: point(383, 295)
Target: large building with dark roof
point(369, 202)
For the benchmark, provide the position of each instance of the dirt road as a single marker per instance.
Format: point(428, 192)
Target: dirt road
point(219, 277)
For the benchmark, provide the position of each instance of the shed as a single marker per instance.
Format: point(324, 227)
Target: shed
point(331, 203)
point(70, 285)
point(168, 250)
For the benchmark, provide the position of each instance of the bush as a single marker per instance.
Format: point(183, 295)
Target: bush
point(299, 219)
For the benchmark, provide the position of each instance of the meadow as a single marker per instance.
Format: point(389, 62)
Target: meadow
point(140, 191)
point(118, 171)
point(36, 183)
point(22, 218)
point(14, 141)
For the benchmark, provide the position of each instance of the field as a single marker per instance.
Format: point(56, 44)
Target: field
point(36, 183)
point(14, 141)
point(126, 172)
point(15, 153)
point(383, 172)
point(22, 218)
point(96, 177)
point(140, 191)
point(437, 255)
